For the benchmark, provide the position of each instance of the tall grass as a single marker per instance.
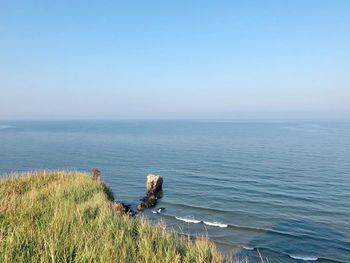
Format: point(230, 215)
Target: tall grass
point(68, 217)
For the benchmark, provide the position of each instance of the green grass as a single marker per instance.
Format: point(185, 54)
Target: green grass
point(68, 217)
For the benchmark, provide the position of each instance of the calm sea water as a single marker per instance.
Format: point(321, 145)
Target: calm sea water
point(283, 188)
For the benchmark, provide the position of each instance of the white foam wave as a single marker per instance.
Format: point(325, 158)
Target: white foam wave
point(188, 220)
point(305, 258)
point(215, 224)
point(248, 248)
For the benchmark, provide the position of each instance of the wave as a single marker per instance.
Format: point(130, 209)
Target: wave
point(297, 257)
point(158, 211)
point(256, 230)
point(196, 221)
point(304, 258)
point(238, 227)
point(3, 127)
point(218, 224)
point(215, 224)
point(188, 220)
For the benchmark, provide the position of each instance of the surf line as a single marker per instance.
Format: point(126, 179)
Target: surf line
point(303, 258)
point(194, 221)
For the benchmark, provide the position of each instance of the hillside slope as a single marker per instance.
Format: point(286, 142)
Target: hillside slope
point(68, 217)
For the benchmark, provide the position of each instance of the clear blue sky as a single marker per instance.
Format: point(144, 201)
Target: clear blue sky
point(175, 59)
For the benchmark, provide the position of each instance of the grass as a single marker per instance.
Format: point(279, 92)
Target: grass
point(68, 217)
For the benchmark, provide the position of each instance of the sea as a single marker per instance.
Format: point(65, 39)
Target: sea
point(276, 190)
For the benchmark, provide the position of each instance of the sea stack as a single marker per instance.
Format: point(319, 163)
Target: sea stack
point(154, 183)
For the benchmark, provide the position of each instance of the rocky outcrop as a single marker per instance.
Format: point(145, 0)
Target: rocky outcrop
point(154, 186)
point(140, 207)
point(122, 209)
point(150, 201)
point(154, 183)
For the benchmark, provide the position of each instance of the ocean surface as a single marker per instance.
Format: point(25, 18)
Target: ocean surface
point(282, 189)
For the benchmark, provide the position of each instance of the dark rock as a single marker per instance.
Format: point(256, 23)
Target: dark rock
point(140, 207)
point(150, 201)
point(122, 209)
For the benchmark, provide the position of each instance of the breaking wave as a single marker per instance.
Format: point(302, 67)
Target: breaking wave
point(188, 220)
point(196, 221)
point(297, 257)
point(215, 224)
point(304, 258)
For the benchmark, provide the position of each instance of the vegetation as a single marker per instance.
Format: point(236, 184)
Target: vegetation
point(69, 217)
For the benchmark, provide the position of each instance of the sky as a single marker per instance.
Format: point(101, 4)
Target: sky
point(175, 59)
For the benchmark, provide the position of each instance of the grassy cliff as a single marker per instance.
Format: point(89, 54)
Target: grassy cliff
point(68, 217)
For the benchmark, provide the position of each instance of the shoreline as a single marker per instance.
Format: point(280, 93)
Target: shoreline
point(69, 216)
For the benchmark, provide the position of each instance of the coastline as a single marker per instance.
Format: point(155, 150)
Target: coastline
point(68, 216)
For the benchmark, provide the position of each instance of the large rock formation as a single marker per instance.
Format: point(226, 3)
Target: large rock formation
point(154, 183)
